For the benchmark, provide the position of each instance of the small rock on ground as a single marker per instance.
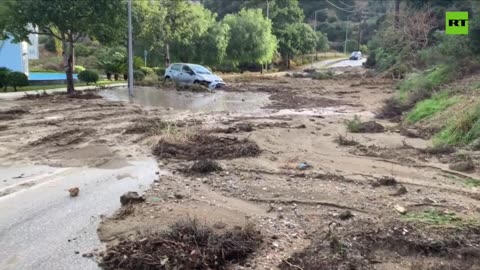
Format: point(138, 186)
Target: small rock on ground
point(131, 197)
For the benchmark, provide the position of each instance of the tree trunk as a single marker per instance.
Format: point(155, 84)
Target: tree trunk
point(397, 13)
point(167, 55)
point(288, 61)
point(67, 46)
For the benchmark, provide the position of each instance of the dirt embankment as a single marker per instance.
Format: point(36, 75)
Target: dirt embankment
point(320, 196)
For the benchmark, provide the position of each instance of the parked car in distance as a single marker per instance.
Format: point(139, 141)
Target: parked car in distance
point(356, 55)
point(185, 73)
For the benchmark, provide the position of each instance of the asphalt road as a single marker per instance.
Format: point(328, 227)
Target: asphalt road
point(42, 227)
point(348, 63)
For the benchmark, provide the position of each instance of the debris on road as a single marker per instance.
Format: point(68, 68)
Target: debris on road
point(187, 245)
point(385, 181)
point(400, 209)
point(204, 166)
point(401, 191)
point(304, 166)
point(131, 197)
point(202, 146)
point(345, 215)
point(462, 166)
point(74, 191)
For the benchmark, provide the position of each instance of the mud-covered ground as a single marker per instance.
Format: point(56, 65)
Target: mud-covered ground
point(319, 196)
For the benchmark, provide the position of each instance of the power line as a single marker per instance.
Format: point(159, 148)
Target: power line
point(337, 7)
point(348, 6)
point(342, 9)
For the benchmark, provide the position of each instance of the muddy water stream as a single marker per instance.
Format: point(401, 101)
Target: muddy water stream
point(194, 102)
point(236, 103)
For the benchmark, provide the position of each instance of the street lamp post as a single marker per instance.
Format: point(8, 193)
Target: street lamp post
point(130, 50)
point(315, 30)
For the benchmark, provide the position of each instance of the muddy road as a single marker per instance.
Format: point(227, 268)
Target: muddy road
point(273, 153)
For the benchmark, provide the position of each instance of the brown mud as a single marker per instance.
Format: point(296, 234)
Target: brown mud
point(292, 170)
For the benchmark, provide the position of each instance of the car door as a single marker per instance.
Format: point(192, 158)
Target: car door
point(175, 72)
point(187, 76)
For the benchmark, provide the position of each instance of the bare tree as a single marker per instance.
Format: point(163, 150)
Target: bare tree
point(416, 27)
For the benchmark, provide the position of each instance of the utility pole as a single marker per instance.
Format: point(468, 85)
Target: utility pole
point(346, 35)
point(130, 50)
point(360, 32)
point(315, 30)
point(268, 16)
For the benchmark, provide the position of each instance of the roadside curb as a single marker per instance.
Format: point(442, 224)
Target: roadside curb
point(16, 95)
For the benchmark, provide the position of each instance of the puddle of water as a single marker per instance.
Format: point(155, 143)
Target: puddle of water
point(193, 102)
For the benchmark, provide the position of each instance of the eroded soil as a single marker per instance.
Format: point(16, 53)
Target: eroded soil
point(322, 198)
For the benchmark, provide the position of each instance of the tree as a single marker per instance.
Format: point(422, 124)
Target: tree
point(201, 21)
point(322, 43)
point(252, 41)
point(67, 21)
point(222, 7)
point(211, 48)
point(16, 79)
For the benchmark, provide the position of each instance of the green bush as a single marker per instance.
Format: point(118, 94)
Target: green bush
point(160, 71)
point(462, 129)
point(88, 76)
point(426, 81)
point(147, 70)
point(82, 50)
point(138, 75)
point(429, 107)
point(137, 62)
point(371, 60)
point(364, 49)
point(17, 79)
point(3, 77)
point(352, 45)
point(49, 45)
point(78, 69)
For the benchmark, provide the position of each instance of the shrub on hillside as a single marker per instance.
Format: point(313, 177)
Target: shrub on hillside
point(138, 75)
point(88, 76)
point(17, 79)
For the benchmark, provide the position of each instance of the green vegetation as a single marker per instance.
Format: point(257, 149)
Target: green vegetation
point(429, 107)
point(354, 124)
point(253, 41)
point(88, 77)
point(3, 77)
point(66, 21)
point(471, 182)
point(16, 79)
point(434, 217)
point(462, 129)
point(425, 82)
point(138, 75)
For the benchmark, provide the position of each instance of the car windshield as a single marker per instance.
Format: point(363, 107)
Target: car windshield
point(200, 70)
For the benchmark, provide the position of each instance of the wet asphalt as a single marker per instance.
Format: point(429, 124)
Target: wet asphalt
point(42, 227)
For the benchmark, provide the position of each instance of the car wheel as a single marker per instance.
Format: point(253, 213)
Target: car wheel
point(196, 82)
point(168, 79)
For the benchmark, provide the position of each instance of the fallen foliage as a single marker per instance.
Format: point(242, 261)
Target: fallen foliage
point(188, 245)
